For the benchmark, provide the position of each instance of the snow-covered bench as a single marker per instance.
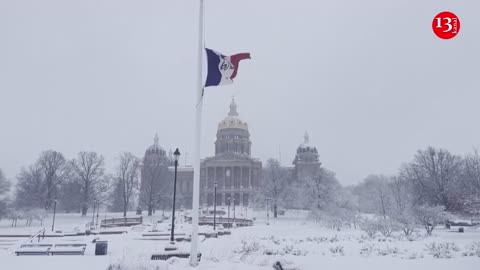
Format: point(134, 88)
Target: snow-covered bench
point(67, 250)
point(39, 250)
point(169, 254)
point(35, 245)
point(71, 245)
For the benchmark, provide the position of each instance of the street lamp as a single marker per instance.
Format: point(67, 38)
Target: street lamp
point(233, 224)
point(268, 211)
point(98, 214)
point(172, 232)
point(215, 206)
point(93, 212)
point(228, 215)
point(54, 212)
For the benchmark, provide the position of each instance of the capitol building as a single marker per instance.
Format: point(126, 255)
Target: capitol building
point(234, 170)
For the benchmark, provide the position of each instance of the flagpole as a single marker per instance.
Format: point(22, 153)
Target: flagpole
point(196, 150)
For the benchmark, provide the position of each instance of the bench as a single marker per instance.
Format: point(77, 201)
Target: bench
point(35, 245)
point(71, 245)
point(67, 250)
point(41, 251)
point(167, 255)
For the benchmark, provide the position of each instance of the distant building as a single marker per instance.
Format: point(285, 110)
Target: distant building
point(233, 168)
point(306, 160)
point(235, 171)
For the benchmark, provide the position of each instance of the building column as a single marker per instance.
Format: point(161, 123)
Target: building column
point(232, 177)
point(250, 176)
point(224, 177)
point(241, 177)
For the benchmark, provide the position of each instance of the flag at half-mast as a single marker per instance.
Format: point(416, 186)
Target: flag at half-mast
point(222, 69)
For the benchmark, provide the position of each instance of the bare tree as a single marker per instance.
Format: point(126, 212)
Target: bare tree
point(434, 174)
point(89, 170)
point(4, 189)
point(126, 179)
point(374, 196)
point(30, 189)
point(322, 190)
point(154, 183)
point(274, 184)
point(55, 170)
point(471, 184)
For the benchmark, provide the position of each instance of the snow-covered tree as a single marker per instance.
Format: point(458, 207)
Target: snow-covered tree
point(4, 199)
point(374, 195)
point(430, 216)
point(435, 175)
point(39, 183)
point(274, 184)
point(89, 172)
point(155, 186)
point(30, 188)
point(55, 170)
point(126, 181)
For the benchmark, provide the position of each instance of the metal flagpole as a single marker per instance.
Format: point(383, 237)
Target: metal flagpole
point(196, 149)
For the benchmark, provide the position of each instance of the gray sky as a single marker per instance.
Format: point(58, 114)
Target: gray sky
point(368, 79)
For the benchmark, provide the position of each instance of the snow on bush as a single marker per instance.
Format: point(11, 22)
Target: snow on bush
point(388, 251)
point(370, 227)
point(337, 250)
point(472, 250)
point(367, 249)
point(444, 250)
point(247, 247)
point(387, 227)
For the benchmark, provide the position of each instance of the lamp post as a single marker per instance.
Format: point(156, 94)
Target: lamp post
point(93, 212)
point(172, 232)
point(98, 214)
point(228, 211)
point(268, 211)
point(215, 206)
point(233, 224)
point(54, 212)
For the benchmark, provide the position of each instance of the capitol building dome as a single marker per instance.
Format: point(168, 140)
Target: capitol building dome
point(155, 148)
point(306, 152)
point(232, 120)
point(233, 136)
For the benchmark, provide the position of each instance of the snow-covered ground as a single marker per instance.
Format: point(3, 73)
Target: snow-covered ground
point(292, 239)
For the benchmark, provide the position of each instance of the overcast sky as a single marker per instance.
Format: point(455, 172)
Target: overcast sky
point(368, 79)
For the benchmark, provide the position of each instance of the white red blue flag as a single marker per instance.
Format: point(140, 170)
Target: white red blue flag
point(222, 69)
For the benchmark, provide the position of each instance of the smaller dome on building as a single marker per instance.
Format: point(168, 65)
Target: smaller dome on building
point(155, 148)
point(306, 152)
point(305, 147)
point(232, 120)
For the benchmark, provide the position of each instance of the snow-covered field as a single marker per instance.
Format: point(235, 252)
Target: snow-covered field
point(292, 239)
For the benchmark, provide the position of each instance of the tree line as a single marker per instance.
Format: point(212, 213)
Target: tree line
point(76, 184)
point(435, 185)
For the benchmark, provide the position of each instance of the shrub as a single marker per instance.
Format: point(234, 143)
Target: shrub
point(430, 216)
point(247, 248)
point(387, 227)
point(366, 250)
point(442, 250)
point(337, 250)
point(472, 250)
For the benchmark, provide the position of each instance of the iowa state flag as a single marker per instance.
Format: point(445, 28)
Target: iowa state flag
point(222, 69)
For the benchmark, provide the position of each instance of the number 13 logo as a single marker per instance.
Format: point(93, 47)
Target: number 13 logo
point(446, 25)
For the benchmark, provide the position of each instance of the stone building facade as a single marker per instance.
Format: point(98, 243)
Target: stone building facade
point(235, 171)
point(306, 162)
point(232, 167)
